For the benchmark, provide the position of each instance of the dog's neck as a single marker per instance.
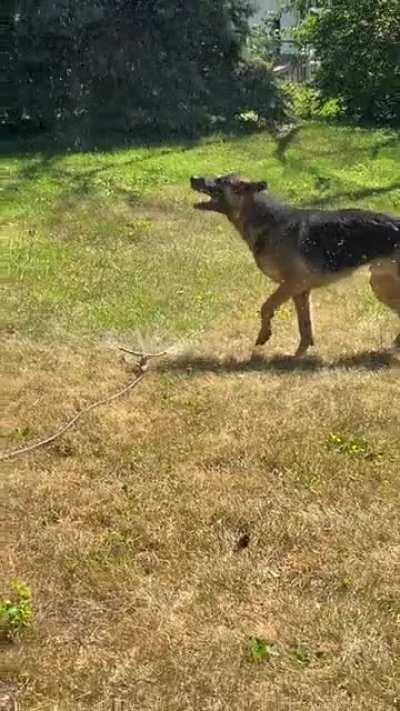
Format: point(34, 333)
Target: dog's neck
point(241, 214)
point(256, 214)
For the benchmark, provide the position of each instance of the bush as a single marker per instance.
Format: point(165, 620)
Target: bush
point(358, 46)
point(132, 65)
point(15, 612)
point(258, 91)
point(263, 41)
point(307, 103)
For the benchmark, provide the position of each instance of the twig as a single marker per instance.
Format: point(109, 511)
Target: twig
point(147, 356)
point(43, 442)
point(142, 366)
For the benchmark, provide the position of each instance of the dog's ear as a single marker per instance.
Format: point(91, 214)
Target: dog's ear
point(241, 188)
point(259, 187)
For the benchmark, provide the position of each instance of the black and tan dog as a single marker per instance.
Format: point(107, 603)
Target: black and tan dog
point(302, 249)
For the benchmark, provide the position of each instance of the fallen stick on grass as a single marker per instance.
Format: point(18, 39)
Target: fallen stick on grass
point(142, 367)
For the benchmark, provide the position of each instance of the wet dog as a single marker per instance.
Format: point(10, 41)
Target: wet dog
point(303, 249)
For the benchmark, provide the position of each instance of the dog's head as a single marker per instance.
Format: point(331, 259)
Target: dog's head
point(227, 193)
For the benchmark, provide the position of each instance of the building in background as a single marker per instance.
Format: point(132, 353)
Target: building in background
point(289, 61)
point(288, 18)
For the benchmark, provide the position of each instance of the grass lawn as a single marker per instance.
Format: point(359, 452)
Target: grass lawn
point(228, 537)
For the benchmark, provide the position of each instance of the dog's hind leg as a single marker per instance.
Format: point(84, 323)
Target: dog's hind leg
point(385, 283)
point(302, 304)
point(282, 294)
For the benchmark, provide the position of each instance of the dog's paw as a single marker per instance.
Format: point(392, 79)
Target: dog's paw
point(262, 338)
point(256, 353)
point(303, 348)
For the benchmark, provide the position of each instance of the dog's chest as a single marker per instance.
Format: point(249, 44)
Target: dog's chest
point(269, 266)
point(265, 250)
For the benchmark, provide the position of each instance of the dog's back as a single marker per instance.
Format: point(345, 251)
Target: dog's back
point(347, 239)
point(329, 241)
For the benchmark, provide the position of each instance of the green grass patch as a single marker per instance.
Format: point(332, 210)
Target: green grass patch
point(15, 612)
point(259, 650)
point(352, 446)
point(98, 242)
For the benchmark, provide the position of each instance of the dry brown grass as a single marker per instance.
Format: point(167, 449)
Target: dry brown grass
point(168, 528)
point(129, 529)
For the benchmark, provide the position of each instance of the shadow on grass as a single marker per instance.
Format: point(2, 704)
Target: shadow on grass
point(284, 141)
point(21, 145)
point(367, 360)
point(353, 194)
point(80, 181)
point(44, 153)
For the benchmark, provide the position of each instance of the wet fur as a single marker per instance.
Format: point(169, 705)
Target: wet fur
point(302, 249)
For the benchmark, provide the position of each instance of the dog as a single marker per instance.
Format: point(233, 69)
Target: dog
point(304, 249)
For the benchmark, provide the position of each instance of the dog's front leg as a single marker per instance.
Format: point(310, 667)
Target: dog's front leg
point(302, 304)
point(282, 294)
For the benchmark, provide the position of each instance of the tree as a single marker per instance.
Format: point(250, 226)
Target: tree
point(358, 46)
point(169, 65)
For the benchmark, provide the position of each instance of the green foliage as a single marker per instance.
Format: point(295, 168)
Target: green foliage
point(256, 91)
point(352, 446)
point(262, 41)
point(307, 103)
point(16, 612)
point(330, 110)
point(148, 67)
point(346, 583)
point(303, 6)
point(357, 45)
point(259, 650)
point(302, 654)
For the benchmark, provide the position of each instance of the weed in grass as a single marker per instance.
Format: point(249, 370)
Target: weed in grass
point(136, 229)
point(352, 446)
point(302, 654)
point(259, 650)
point(16, 611)
point(116, 549)
point(346, 583)
point(391, 604)
point(20, 434)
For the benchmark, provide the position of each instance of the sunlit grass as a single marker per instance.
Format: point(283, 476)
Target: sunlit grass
point(93, 242)
point(227, 537)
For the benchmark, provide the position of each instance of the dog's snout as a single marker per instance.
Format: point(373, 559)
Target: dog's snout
point(197, 183)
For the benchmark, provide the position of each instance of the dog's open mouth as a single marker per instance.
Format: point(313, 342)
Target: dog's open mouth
point(202, 185)
point(210, 204)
